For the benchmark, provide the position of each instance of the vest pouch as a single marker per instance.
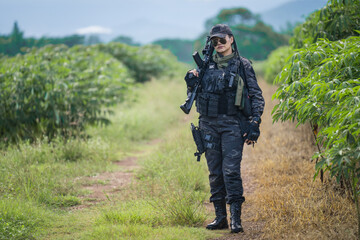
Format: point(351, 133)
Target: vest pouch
point(246, 103)
point(213, 106)
point(231, 108)
point(202, 104)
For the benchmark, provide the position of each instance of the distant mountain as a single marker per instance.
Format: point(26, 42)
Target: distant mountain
point(292, 12)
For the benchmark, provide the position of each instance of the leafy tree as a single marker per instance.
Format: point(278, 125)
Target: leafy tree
point(339, 19)
point(254, 38)
point(13, 43)
point(320, 84)
point(69, 41)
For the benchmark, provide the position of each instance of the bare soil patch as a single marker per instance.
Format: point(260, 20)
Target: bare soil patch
point(101, 187)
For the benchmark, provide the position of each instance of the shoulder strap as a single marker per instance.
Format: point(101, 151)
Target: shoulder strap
point(242, 72)
point(242, 68)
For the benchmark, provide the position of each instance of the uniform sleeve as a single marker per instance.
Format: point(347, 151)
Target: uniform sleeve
point(255, 93)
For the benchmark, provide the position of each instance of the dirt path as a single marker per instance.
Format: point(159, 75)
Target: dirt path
point(101, 187)
point(252, 157)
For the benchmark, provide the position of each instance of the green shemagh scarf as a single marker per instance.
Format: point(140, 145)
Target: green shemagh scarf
point(222, 62)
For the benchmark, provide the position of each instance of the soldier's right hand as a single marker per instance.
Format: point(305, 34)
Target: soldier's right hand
point(191, 79)
point(195, 72)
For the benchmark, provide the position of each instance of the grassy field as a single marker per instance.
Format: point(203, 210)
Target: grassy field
point(39, 189)
point(168, 197)
point(165, 201)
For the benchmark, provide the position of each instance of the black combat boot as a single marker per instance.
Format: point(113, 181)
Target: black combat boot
point(220, 221)
point(235, 211)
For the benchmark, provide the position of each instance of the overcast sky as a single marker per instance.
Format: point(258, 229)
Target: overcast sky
point(143, 20)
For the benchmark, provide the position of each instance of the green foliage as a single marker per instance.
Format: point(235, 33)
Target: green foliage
point(275, 62)
point(143, 62)
point(182, 49)
point(321, 84)
point(339, 19)
point(254, 38)
point(289, 28)
point(56, 90)
point(126, 40)
point(69, 41)
point(15, 42)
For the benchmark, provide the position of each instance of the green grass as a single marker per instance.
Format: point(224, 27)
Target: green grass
point(143, 232)
point(148, 111)
point(37, 180)
point(22, 220)
point(167, 200)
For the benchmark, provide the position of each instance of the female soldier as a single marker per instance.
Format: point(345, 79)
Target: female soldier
point(223, 125)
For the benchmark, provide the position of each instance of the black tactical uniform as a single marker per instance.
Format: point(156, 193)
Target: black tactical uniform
point(223, 125)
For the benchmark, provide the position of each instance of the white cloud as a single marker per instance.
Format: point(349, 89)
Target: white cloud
point(94, 30)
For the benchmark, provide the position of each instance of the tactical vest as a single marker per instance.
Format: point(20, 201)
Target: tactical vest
point(218, 90)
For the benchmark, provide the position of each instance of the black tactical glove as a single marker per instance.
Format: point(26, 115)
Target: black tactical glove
point(191, 80)
point(254, 131)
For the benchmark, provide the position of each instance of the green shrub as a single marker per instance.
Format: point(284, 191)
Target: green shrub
point(321, 85)
point(275, 62)
point(143, 62)
point(339, 19)
point(57, 91)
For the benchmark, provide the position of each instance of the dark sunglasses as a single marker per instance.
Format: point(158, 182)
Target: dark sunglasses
point(217, 40)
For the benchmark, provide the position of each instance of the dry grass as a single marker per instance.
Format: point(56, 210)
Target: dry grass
point(291, 204)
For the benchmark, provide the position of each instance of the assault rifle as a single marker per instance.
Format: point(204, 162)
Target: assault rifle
point(202, 65)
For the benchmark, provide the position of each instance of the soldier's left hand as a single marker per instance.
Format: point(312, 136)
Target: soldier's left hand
point(247, 141)
point(253, 134)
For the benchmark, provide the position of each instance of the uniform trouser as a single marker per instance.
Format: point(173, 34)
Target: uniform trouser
point(224, 157)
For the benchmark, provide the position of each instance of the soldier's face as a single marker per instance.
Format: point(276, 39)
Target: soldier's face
point(223, 48)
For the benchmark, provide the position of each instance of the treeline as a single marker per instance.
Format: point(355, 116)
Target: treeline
point(13, 43)
point(254, 38)
point(319, 83)
point(57, 91)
